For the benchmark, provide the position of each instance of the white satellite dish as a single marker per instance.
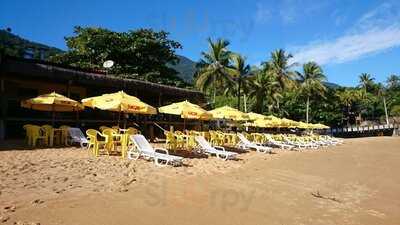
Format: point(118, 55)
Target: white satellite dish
point(108, 64)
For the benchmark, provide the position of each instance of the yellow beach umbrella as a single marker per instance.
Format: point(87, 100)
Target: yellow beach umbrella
point(52, 102)
point(119, 102)
point(288, 123)
point(227, 112)
point(186, 110)
point(271, 117)
point(319, 126)
point(266, 123)
point(249, 124)
point(303, 125)
point(255, 116)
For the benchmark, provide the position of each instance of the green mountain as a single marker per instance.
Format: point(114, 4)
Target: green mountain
point(186, 68)
point(14, 45)
point(17, 46)
point(332, 85)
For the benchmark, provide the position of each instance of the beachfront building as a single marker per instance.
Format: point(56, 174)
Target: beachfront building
point(24, 78)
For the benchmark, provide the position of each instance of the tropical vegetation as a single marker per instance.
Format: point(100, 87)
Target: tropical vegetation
point(278, 86)
point(281, 87)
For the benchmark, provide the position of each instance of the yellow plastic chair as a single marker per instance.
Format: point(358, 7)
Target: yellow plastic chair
point(37, 133)
point(113, 138)
point(191, 142)
point(64, 134)
point(170, 140)
point(206, 135)
point(101, 128)
point(49, 133)
point(116, 128)
point(180, 139)
point(215, 138)
point(129, 132)
point(28, 133)
point(132, 131)
point(94, 142)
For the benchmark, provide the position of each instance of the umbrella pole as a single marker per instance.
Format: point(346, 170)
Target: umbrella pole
point(77, 118)
point(53, 115)
point(53, 118)
point(184, 124)
point(119, 117)
point(125, 120)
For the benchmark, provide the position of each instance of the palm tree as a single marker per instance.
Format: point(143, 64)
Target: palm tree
point(393, 81)
point(280, 66)
point(311, 82)
point(366, 81)
point(264, 86)
point(347, 98)
point(381, 92)
point(240, 70)
point(213, 67)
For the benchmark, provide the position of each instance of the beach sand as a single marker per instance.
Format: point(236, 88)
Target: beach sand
point(355, 183)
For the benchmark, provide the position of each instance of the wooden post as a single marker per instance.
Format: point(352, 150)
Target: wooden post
point(160, 99)
point(151, 132)
point(3, 111)
point(69, 88)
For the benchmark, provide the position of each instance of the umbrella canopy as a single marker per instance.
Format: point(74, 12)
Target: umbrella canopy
point(319, 126)
point(303, 125)
point(119, 102)
point(52, 102)
point(186, 110)
point(255, 116)
point(266, 123)
point(227, 112)
point(271, 117)
point(288, 123)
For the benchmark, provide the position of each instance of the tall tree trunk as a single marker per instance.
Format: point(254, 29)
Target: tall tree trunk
point(348, 116)
point(386, 113)
point(238, 100)
point(245, 102)
point(215, 90)
point(307, 106)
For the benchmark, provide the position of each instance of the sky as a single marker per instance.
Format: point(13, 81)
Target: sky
point(346, 37)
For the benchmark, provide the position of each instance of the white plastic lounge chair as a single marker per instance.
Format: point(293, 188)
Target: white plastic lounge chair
point(245, 143)
point(279, 144)
point(300, 144)
point(76, 136)
point(271, 141)
point(161, 156)
point(219, 151)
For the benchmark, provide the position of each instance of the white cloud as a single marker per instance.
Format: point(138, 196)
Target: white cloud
point(375, 31)
point(263, 13)
point(288, 11)
point(292, 10)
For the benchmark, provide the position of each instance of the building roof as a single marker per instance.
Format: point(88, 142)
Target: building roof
point(37, 69)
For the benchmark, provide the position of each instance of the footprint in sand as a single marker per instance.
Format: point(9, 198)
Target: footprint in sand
point(376, 213)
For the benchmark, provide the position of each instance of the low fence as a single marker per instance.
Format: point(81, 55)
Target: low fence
point(366, 131)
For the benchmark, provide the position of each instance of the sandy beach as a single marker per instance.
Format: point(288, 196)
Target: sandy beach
point(355, 183)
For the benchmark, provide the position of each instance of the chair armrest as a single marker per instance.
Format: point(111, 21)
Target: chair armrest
point(219, 148)
point(103, 136)
point(162, 150)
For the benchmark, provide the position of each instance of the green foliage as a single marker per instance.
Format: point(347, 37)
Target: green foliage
point(278, 90)
point(14, 45)
point(140, 54)
point(395, 110)
point(213, 68)
point(186, 68)
point(222, 100)
point(264, 88)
